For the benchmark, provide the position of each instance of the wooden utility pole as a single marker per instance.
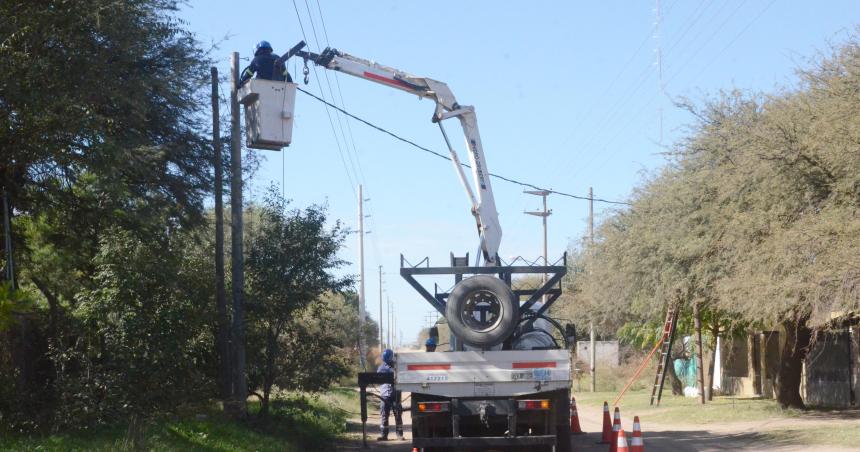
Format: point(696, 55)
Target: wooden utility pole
point(222, 338)
point(700, 372)
point(361, 348)
point(592, 349)
point(381, 337)
point(240, 388)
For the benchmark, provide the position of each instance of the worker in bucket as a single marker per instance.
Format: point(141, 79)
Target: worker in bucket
point(266, 65)
point(390, 399)
point(430, 345)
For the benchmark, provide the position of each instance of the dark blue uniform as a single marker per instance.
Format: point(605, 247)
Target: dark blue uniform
point(264, 66)
point(390, 402)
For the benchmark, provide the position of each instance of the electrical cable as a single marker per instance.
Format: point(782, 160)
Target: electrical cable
point(442, 156)
point(373, 240)
point(349, 176)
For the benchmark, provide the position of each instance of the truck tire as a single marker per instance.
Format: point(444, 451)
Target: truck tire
point(482, 311)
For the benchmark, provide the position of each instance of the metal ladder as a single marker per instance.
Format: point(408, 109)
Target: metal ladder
point(667, 339)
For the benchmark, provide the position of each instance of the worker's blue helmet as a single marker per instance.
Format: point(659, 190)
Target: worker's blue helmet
point(388, 356)
point(431, 342)
point(262, 45)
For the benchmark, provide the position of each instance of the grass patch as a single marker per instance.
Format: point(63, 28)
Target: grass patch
point(687, 410)
point(818, 435)
point(297, 422)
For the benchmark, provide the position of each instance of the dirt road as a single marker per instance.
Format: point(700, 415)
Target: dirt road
point(728, 436)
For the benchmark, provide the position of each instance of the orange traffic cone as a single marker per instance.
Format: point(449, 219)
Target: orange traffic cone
point(574, 418)
point(621, 442)
point(616, 427)
point(636, 443)
point(607, 426)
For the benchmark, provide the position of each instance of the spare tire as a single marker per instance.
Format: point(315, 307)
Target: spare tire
point(482, 311)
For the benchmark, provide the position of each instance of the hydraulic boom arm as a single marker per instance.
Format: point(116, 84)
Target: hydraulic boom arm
point(483, 204)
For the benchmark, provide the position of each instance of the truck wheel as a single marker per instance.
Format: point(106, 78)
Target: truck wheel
point(482, 311)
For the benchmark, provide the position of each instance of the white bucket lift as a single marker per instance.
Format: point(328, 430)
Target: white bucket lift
point(269, 107)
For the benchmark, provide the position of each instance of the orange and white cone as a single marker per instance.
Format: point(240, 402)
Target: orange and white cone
point(616, 427)
point(574, 418)
point(621, 442)
point(636, 443)
point(606, 438)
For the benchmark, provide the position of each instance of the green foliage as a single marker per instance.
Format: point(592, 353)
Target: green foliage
point(298, 422)
point(291, 339)
point(12, 303)
point(148, 344)
point(755, 220)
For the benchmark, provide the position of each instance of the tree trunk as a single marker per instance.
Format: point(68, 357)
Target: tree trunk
point(677, 385)
point(700, 371)
point(715, 331)
point(797, 339)
point(53, 310)
point(269, 374)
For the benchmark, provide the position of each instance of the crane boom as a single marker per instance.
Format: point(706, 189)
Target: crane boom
point(480, 192)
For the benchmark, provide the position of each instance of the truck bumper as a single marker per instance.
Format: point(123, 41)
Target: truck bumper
point(488, 441)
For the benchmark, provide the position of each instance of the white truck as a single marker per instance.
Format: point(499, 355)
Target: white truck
point(505, 383)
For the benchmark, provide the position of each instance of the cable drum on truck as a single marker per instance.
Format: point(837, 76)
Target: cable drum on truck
point(482, 311)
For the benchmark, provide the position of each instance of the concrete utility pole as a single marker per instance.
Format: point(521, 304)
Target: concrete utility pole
point(592, 349)
point(381, 344)
point(700, 372)
point(389, 322)
point(543, 214)
point(238, 262)
point(361, 311)
point(223, 337)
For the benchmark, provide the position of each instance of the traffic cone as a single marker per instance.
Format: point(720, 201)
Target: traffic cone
point(574, 418)
point(636, 443)
point(616, 427)
point(621, 442)
point(606, 438)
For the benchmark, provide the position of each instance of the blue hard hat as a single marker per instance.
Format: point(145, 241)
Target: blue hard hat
point(263, 45)
point(431, 341)
point(388, 356)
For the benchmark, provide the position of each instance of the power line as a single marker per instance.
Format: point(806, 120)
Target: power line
point(373, 238)
point(352, 183)
point(442, 156)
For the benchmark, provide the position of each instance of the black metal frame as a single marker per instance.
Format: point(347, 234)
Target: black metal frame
point(551, 288)
point(365, 379)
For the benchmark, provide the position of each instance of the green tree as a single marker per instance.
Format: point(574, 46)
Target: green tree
point(290, 265)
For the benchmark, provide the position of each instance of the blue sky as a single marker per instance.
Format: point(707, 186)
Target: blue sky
point(567, 97)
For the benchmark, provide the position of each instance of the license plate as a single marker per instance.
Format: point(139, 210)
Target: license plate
point(519, 376)
point(541, 374)
point(485, 389)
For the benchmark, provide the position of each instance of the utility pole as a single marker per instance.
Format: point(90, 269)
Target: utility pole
point(361, 278)
point(381, 345)
point(238, 262)
point(700, 372)
point(223, 337)
point(593, 344)
point(7, 238)
point(390, 323)
point(543, 214)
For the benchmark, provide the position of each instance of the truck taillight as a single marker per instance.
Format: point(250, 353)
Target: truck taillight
point(434, 407)
point(533, 404)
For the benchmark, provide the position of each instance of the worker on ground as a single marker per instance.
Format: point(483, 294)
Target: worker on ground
point(390, 399)
point(430, 345)
point(266, 65)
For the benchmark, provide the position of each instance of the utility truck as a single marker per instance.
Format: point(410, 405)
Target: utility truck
point(505, 383)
